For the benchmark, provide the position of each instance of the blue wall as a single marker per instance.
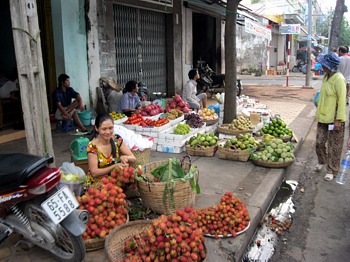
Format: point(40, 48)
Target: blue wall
point(68, 23)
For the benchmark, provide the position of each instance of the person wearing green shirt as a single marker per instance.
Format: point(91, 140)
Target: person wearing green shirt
point(330, 116)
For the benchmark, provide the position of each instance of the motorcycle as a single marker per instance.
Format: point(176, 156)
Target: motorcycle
point(33, 207)
point(211, 82)
point(298, 67)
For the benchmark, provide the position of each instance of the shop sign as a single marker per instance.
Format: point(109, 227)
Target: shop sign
point(291, 29)
point(254, 28)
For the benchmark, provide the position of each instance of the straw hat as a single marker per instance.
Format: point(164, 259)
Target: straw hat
point(111, 83)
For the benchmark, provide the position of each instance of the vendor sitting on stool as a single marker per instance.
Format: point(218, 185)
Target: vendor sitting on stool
point(63, 96)
point(130, 101)
point(189, 93)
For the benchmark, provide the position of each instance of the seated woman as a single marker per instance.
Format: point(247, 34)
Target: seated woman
point(130, 101)
point(105, 148)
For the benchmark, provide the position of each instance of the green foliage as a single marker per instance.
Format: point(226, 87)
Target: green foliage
point(324, 27)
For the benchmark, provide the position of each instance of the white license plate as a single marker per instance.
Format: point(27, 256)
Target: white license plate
point(60, 205)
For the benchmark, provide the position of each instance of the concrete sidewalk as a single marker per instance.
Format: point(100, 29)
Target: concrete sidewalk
point(256, 186)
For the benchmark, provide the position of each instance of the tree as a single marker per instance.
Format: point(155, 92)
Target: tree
point(323, 29)
point(340, 9)
point(230, 61)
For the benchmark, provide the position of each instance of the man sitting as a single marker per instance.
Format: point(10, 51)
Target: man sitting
point(189, 93)
point(63, 96)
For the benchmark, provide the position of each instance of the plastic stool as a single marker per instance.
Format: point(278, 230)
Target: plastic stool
point(65, 125)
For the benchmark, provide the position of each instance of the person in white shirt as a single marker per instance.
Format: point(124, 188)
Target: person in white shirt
point(189, 93)
point(344, 68)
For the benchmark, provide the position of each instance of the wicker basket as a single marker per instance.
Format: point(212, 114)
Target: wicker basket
point(116, 239)
point(211, 121)
point(286, 138)
point(207, 151)
point(236, 155)
point(272, 164)
point(99, 243)
point(94, 244)
point(142, 157)
point(152, 193)
point(222, 129)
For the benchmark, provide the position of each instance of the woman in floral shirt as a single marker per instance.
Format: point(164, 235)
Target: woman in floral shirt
point(101, 156)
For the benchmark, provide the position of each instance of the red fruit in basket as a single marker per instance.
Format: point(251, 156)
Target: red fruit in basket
point(104, 180)
point(188, 209)
point(102, 234)
point(91, 191)
point(113, 192)
point(110, 199)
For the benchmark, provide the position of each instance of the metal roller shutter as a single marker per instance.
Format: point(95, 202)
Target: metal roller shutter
point(140, 40)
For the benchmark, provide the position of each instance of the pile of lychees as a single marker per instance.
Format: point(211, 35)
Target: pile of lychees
point(107, 208)
point(225, 219)
point(170, 238)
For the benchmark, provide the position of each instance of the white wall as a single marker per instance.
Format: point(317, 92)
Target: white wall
point(187, 43)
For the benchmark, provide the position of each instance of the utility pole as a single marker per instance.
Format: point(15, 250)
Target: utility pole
point(309, 33)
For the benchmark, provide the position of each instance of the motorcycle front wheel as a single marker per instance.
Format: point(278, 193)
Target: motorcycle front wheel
point(68, 247)
point(295, 69)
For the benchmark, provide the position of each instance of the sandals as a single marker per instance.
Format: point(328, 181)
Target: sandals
point(319, 167)
point(328, 177)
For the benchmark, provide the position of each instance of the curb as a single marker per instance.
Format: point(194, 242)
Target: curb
point(260, 202)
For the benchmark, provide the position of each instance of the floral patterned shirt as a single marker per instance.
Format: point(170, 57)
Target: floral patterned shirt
point(103, 161)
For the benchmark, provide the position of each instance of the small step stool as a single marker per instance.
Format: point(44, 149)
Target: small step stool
point(65, 125)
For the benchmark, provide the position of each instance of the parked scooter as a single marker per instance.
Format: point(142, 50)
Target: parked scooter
point(209, 81)
point(298, 67)
point(33, 207)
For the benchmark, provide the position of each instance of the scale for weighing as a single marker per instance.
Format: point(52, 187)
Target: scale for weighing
point(159, 100)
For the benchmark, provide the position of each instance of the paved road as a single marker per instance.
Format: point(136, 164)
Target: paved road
point(321, 225)
point(295, 79)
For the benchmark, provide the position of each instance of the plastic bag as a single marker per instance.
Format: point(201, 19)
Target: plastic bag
point(71, 168)
point(316, 98)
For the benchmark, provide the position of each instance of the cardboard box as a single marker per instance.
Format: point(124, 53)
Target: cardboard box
point(83, 164)
point(254, 118)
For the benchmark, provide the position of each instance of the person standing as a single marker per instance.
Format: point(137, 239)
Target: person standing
point(130, 101)
point(330, 116)
point(344, 68)
point(189, 93)
point(66, 109)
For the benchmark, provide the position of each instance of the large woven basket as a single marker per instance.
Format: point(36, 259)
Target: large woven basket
point(272, 164)
point(223, 129)
point(99, 243)
point(142, 157)
point(152, 193)
point(116, 239)
point(235, 155)
point(207, 151)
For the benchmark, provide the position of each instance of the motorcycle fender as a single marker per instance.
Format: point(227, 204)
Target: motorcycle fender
point(73, 224)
